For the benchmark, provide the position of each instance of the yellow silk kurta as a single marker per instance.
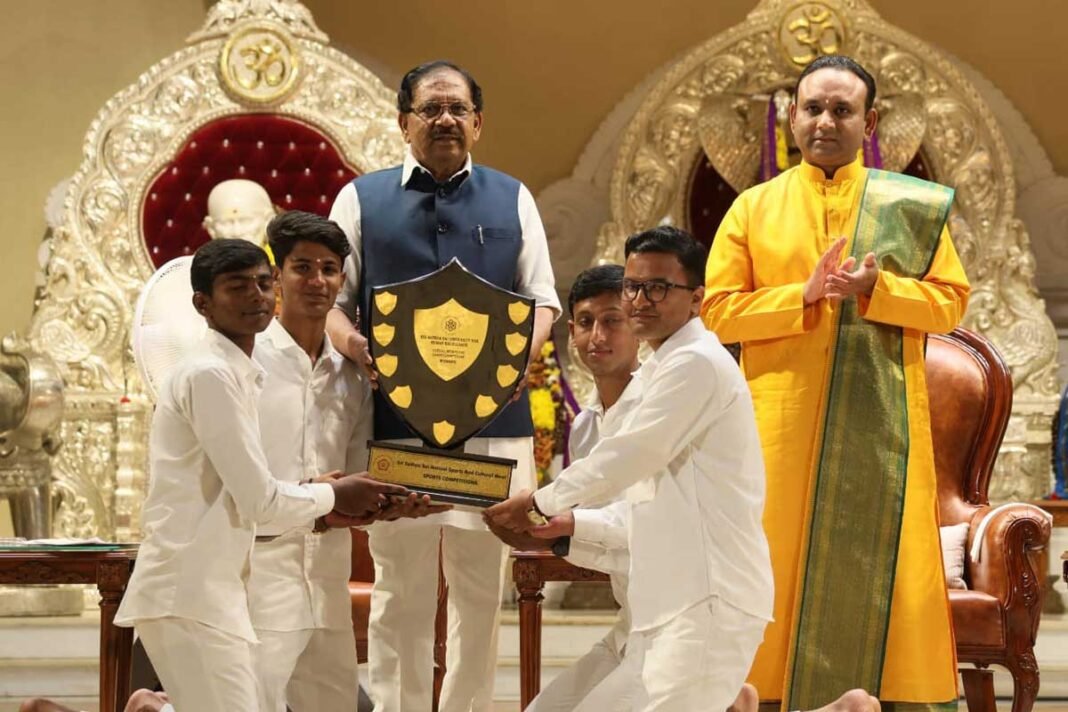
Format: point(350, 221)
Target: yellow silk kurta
point(764, 251)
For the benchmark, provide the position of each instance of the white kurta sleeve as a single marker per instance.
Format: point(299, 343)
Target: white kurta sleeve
point(534, 270)
point(230, 438)
point(346, 213)
point(675, 407)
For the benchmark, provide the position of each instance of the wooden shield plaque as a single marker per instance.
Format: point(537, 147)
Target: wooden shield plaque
point(450, 349)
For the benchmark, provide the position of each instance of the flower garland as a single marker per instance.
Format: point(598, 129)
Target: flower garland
point(548, 410)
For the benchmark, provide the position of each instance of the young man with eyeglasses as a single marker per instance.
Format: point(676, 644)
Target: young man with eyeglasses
point(405, 222)
point(689, 461)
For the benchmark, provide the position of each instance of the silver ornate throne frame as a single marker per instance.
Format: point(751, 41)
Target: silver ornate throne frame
point(249, 56)
point(692, 111)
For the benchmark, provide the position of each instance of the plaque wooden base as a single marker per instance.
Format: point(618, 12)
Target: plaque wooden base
point(449, 477)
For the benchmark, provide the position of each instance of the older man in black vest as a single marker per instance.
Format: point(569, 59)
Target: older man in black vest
point(405, 222)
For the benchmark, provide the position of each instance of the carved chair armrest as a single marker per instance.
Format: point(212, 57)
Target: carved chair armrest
point(1011, 561)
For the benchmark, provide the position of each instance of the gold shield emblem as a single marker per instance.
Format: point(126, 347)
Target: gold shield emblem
point(485, 406)
point(386, 302)
point(443, 431)
point(383, 333)
point(506, 375)
point(401, 396)
point(518, 312)
point(449, 337)
point(386, 364)
point(515, 343)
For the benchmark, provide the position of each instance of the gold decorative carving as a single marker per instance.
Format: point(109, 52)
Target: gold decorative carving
point(99, 261)
point(259, 64)
point(927, 103)
point(810, 30)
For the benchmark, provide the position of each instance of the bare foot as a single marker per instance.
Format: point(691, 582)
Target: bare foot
point(853, 701)
point(146, 701)
point(747, 700)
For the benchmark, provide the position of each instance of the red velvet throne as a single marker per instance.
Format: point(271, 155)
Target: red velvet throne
point(298, 165)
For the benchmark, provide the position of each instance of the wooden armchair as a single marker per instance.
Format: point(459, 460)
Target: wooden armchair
point(996, 620)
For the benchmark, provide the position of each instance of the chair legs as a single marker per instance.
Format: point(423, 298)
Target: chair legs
point(979, 689)
point(1024, 671)
point(979, 685)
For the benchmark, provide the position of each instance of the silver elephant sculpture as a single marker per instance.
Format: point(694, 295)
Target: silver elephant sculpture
point(31, 409)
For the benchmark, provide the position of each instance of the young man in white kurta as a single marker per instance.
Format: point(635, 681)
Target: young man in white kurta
point(700, 589)
point(210, 487)
point(314, 417)
point(597, 539)
point(599, 542)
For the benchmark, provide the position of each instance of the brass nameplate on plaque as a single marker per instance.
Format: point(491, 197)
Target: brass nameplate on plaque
point(453, 478)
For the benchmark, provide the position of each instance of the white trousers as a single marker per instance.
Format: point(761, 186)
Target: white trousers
point(403, 604)
point(310, 670)
point(202, 668)
point(588, 681)
point(696, 662)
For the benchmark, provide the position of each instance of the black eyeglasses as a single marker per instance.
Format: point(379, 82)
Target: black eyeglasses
point(432, 111)
point(655, 290)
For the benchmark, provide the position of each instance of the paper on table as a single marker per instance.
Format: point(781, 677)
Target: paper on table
point(58, 542)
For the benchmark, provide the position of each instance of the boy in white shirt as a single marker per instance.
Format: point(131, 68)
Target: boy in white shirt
point(689, 460)
point(597, 538)
point(315, 416)
point(210, 487)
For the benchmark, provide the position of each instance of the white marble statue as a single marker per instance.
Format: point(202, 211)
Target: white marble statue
point(239, 208)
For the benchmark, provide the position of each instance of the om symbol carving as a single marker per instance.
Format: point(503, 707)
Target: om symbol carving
point(810, 30)
point(265, 63)
point(259, 64)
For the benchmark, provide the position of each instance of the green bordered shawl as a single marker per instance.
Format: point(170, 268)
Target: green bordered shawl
point(858, 496)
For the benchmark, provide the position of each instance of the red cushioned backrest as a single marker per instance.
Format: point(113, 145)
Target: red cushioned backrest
point(300, 168)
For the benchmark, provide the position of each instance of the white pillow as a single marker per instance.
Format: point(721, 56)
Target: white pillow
point(954, 540)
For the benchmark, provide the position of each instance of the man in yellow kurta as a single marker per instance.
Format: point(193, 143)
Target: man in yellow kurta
point(833, 351)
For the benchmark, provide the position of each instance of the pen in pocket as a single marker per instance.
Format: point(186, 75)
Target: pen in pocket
point(480, 240)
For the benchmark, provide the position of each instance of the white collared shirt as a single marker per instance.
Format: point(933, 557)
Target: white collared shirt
point(534, 270)
point(600, 538)
point(691, 446)
point(210, 486)
point(314, 418)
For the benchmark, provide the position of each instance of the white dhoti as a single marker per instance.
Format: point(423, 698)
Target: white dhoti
point(404, 600)
point(696, 662)
point(298, 595)
point(201, 668)
point(587, 682)
point(310, 670)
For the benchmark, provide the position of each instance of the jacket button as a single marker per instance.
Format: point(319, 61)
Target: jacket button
point(443, 228)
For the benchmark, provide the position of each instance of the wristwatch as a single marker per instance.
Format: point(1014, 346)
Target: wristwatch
point(535, 515)
point(562, 546)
